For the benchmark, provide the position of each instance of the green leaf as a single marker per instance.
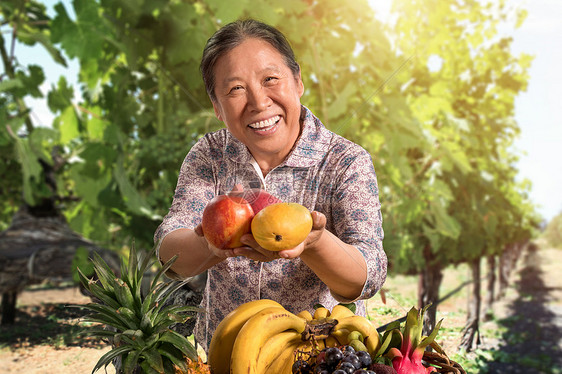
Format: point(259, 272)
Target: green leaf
point(131, 362)
point(59, 98)
point(180, 342)
point(229, 13)
point(44, 40)
point(105, 274)
point(133, 200)
point(67, 123)
point(9, 84)
point(32, 170)
point(154, 359)
point(81, 260)
point(95, 124)
point(429, 339)
point(108, 357)
point(178, 360)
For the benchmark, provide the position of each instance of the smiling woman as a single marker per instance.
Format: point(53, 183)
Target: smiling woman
point(272, 142)
point(258, 99)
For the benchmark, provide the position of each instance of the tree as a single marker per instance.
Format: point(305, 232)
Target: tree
point(553, 232)
point(462, 90)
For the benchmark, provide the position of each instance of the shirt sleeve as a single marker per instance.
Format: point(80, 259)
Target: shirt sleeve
point(195, 187)
point(357, 219)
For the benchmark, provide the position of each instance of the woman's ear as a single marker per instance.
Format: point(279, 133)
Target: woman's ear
point(300, 84)
point(218, 111)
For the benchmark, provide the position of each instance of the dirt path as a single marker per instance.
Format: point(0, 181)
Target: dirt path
point(524, 337)
point(44, 339)
point(530, 319)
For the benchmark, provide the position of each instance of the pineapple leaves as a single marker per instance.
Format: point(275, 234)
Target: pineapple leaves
point(180, 342)
point(138, 327)
point(176, 359)
point(131, 362)
point(107, 358)
point(154, 359)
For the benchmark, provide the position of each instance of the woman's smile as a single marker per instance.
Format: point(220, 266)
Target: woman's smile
point(267, 126)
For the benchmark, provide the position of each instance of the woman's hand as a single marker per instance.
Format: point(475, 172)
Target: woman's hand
point(255, 252)
point(221, 253)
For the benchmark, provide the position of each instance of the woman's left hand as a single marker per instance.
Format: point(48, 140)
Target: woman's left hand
point(257, 253)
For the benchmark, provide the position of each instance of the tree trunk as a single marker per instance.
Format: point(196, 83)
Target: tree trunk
point(428, 293)
point(508, 261)
point(490, 287)
point(505, 269)
point(471, 329)
point(9, 307)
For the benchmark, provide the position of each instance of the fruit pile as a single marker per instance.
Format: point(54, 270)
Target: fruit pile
point(340, 360)
point(275, 225)
point(261, 337)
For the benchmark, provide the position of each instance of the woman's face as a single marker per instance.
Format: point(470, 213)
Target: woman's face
point(258, 99)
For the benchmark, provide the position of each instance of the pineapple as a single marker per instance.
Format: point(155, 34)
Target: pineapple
point(138, 326)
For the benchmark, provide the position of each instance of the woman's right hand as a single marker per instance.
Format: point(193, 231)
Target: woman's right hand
point(221, 253)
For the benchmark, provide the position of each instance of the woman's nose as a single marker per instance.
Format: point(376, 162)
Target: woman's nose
point(258, 99)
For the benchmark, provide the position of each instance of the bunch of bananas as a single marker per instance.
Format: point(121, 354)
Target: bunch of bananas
point(263, 337)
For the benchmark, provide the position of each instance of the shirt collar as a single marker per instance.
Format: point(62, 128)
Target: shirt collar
point(310, 148)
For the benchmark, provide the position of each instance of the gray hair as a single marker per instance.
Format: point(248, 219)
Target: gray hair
point(233, 34)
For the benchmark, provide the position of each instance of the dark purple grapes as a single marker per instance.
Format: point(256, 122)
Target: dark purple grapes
point(301, 367)
point(364, 358)
point(333, 356)
point(347, 367)
point(321, 370)
point(353, 360)
point(347, 349)
point(337, 360)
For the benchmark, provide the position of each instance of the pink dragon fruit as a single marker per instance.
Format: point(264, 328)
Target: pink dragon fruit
point(408, 359)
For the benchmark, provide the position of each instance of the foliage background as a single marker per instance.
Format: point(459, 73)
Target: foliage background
point(434, 107)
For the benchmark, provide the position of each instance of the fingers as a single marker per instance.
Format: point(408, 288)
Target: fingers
point(318, 220)
point(293, 252)
point(199, 230)
point(254, 251)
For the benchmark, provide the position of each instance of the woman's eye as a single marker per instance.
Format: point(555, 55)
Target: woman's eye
point(236, 88)
point(270, 79)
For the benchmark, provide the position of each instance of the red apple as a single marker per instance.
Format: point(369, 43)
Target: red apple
point(259, 198)
point(225, 219)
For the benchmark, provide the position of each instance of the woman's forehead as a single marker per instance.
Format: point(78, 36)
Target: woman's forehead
point(255, 55)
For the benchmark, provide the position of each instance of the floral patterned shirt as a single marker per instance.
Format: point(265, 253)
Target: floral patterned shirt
point(324, 172)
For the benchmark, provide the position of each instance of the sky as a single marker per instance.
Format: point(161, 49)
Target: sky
point(536, 110)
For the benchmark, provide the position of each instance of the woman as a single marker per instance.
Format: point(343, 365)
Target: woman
point(273, 142)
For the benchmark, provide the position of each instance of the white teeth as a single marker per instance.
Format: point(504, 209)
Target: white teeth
point(265, 123)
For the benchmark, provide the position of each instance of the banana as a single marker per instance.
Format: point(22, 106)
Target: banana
point(341, 336)
point(358, 345)
point(331, 341)
point(321, 312)
point(355, 323)
point(286, 355)
point(355, 335)
point(255, 333)
point(341, 311)
point(223, 339)
point(306, 315)
point(373, 342)
point(274, 346)
point(365, 327)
